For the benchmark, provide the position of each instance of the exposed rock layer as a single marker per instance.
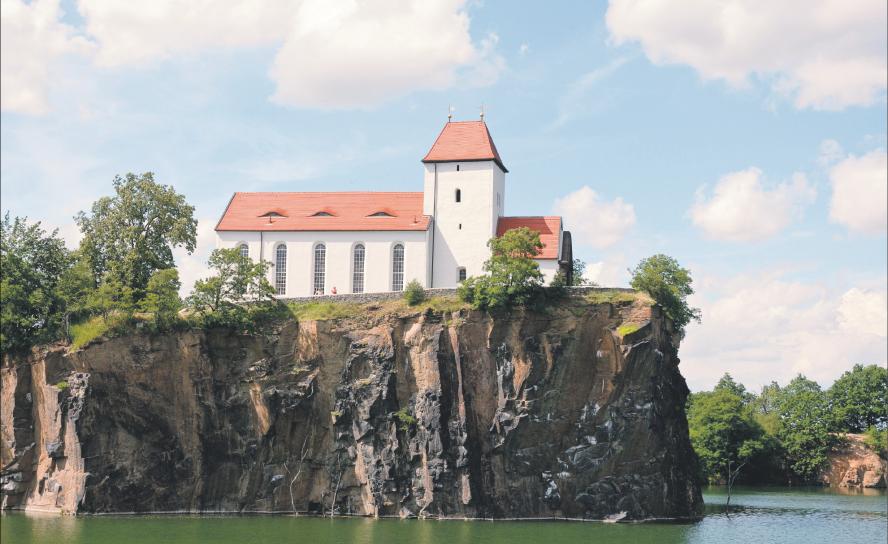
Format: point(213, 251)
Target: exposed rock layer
point(852, 464)
point(549, 414)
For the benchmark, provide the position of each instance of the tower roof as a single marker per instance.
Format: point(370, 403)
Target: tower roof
point(464, 141)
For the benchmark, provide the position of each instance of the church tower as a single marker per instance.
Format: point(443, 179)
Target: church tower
point(465, 195)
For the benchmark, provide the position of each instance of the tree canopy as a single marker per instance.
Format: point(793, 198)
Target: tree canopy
point(129, 236)
point(512, 276)
point(237, 280)
point(859, 398)
point(669, 284)
point(32, 264)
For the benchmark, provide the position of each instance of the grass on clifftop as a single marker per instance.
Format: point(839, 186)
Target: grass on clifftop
point(614, 297)
point(87, 331)
point(322, 310)
point(628, 328)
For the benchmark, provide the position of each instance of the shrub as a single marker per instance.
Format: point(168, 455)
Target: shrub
point(414, 293)
point(87, 331)
point(407, 420)
point(877, 440)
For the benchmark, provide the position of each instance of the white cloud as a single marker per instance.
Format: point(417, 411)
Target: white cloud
point(139, 32)
point(32, 43)
point(824, 54)
point(358, 54)
point(741, 209)
point(860, 193)
point(830, 152)
point(765, 327)
point(593, 221)
point(194, 267)
point(350, 54)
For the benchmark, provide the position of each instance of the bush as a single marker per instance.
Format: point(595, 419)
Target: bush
point(877, 440)
point(414, 293)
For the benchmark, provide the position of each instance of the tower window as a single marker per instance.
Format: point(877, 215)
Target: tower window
point(457, 168)
point(280, 270)
point(398, 267)
point(358, 266)
point(320, 269)
point(461, 274)
point(458, 195)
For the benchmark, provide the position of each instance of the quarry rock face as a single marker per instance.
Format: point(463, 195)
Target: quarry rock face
point(432, 414)
point(852, 464)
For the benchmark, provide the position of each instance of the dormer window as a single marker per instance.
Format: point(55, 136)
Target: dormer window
point(274, 213)
point(322, 214)
point(380, 214)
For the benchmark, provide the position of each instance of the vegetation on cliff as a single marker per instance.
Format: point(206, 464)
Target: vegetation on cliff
point(784, 434)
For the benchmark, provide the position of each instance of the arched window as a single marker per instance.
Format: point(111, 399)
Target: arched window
point(461, 274)
point(458, 195)
point(320, 269)
point(244, 251)
point(280, 269)
point(358, 269)
point(398, 267)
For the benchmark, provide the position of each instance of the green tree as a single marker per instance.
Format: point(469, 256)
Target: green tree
point(804, 426)
point(859, 399)
point(31, 264)
point(728, 383)
point(724, 434)
point(111, 298)
point(669, 284)
point(578, 268)
point(162, 297)
point(74, 288)
point(132, 234)
point(221, 299)
point(512, 276)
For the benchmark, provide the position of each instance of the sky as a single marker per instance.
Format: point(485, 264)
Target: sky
point(745, 138)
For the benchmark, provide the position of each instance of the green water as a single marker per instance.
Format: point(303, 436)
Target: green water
point(761, 515)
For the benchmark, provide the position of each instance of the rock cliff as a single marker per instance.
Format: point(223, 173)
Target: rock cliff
point(574, 412)
point(852, 464)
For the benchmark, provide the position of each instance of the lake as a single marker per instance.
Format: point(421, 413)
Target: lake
point(760, 515)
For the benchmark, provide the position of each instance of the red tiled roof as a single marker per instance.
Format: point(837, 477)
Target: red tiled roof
point(464, 141)
point(548, 227)
point(348, 211)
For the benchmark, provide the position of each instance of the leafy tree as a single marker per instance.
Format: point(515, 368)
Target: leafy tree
point(669, 284)
point(877, 440)
point(414, 293)
point(766, 401)
point(74, 288)
point(512, 276)
point(578, 268)
point(111, 297)
point(162, 297)
point(220, 299)
point(724, 434)
point(859, 399)
point(31, 264)
point(130, 235)
point(727, 383)
point(804, 426)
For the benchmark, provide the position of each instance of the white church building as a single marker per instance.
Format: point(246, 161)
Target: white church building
point(360, 242)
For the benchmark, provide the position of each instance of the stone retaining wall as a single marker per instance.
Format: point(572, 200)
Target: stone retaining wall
point(362, 298)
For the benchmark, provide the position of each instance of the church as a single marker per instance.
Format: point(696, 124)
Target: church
point(323, 243)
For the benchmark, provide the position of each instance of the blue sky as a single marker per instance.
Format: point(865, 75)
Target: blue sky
point(746, 140)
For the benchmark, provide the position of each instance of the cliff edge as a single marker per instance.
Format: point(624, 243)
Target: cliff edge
point(573, 412)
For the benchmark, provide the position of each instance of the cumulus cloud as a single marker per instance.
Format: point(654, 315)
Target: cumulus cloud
point(742, 209)
point(765, 327)
point(32, 43)
point(593, 221)
point(194, 267)
point(860, 193)
point(355, 54)
point(330, 55)
point(824, 54)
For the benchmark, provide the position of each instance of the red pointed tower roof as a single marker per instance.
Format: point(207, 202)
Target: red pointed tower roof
point(464, 141)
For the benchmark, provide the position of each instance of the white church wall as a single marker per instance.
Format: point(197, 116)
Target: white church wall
point(549, 267)
point(462, 228)
point(339, 262)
